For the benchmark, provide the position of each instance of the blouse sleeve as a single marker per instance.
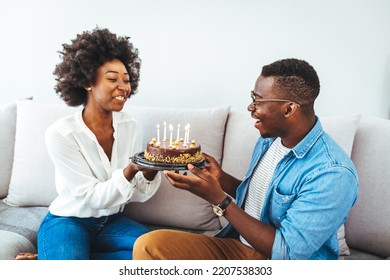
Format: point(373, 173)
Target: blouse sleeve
point(75, 176)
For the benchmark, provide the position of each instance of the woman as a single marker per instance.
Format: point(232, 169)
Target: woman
point(90, 152)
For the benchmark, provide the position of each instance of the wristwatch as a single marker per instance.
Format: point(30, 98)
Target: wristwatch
point(219, 209)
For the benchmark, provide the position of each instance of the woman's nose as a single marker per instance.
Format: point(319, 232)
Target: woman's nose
point(124, 87)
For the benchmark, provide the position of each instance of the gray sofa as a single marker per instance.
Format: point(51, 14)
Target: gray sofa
point(27, 180)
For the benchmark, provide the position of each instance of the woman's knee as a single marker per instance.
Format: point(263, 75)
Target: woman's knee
point(62, 239)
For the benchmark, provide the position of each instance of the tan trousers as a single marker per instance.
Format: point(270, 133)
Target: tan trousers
point(179, 245)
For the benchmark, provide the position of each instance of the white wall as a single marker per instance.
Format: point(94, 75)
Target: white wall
point(202, 53)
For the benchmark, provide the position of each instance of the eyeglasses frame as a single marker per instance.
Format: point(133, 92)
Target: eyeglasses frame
point(256, 102)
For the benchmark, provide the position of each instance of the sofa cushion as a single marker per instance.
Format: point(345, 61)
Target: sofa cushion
point(171, 206)
point(7, 144)
point(361, 255)
point(368, 225)
point(32, 179)
point(240, 139)
point(241, 136)
point(7, 141)
point(18, 229)
point(14, 244)
point(342, 129)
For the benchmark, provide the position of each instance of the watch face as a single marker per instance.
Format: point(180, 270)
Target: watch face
point(218, 211)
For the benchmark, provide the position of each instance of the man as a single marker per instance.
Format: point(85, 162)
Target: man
point(298, 190)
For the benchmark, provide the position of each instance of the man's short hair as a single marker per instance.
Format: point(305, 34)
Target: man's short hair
point(295, 79)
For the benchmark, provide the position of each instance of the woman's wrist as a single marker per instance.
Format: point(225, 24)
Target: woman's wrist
point(149, 174)
point(130, 171)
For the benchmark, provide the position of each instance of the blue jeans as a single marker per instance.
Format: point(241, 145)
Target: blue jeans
point(104, 238)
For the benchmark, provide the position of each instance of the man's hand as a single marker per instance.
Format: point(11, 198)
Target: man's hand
point(203, 184)
point(213, 167)
point(228, 183)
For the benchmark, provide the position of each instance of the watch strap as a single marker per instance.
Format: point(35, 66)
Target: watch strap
point(225, 203)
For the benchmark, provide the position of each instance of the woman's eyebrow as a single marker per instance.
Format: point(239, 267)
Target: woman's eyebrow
point(116, 72)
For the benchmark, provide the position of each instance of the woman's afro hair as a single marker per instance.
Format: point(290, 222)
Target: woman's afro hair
point(82, 58)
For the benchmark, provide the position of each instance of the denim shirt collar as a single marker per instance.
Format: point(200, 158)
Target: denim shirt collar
point(302, 148)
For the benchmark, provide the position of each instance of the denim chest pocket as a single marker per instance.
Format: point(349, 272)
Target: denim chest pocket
point(279, 205)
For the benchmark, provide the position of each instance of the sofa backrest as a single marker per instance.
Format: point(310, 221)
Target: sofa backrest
point(171, 207)
point(241, 136)
point(32, 177)
point(368, 225)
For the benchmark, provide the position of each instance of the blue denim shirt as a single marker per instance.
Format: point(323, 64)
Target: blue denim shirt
point(309, 197)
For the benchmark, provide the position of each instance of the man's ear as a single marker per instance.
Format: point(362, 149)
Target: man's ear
point(290, 109)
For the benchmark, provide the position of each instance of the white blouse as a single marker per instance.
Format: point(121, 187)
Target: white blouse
point(88, 184)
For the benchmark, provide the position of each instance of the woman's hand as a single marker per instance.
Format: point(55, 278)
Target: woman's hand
point(133, 168)
point(149, 174)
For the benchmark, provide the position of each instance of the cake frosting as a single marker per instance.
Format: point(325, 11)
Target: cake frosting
point(173, 152)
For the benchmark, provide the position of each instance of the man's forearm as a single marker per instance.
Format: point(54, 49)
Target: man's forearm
point(229, 184)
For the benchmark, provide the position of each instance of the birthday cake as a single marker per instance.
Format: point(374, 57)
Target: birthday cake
point(175, 152)
point(179, 151)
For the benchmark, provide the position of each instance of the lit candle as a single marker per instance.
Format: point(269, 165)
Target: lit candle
point(165, 132)
point(170, 135)
point(188, 133)
point(158, 132)
point(185, 136)
point(178, 133)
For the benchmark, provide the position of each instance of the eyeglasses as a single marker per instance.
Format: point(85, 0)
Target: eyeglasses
point(257, 102)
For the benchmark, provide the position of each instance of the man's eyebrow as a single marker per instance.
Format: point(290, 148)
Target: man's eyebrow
point(116, 72)
point(257, 94)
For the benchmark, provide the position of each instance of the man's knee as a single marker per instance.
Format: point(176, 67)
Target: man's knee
point(146, 245)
